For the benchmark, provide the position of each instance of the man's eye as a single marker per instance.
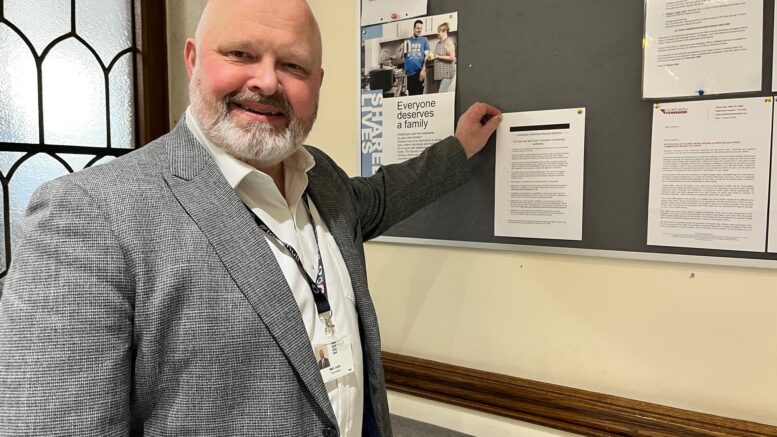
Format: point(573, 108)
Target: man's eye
point(297, 69)
point(236, 54)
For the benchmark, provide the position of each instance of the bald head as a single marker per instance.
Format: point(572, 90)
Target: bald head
point(292, 15)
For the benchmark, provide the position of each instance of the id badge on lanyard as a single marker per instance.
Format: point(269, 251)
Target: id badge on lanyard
point(335, 355)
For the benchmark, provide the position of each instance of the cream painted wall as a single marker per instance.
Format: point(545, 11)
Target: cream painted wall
point(182, 17)
point(698, 337)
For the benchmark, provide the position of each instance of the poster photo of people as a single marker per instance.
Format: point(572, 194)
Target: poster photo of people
point(410, 57)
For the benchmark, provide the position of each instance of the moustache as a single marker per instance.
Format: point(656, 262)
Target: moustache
point(276, 100)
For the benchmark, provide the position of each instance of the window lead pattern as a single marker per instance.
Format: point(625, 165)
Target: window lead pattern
point(115, 111)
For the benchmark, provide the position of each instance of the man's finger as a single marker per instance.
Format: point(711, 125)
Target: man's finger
point(493, 122)
point(483, 110)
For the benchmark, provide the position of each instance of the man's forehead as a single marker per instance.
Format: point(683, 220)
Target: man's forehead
point(289, 15)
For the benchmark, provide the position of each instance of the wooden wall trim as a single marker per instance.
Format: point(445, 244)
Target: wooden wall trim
point(564, 408)
point(153, 100)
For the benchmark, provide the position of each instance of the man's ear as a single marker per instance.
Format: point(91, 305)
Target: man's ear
point(322, 78)
point(190, 56)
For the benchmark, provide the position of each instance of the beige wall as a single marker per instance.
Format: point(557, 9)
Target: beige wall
point(698, 337)
point(182, 17)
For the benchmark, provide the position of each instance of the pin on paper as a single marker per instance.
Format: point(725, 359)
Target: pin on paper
point(394, 15)
point(701, 92)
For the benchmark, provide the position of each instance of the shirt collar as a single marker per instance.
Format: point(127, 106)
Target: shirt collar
point(235, 170)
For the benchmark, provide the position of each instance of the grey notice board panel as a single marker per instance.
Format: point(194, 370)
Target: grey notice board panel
point(526, 55)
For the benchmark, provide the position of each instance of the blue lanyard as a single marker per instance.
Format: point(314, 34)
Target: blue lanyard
point(317, 285)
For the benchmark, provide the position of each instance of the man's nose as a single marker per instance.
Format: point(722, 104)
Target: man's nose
point(264, 78)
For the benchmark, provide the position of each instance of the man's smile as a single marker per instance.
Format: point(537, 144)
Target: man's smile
point(260, 111)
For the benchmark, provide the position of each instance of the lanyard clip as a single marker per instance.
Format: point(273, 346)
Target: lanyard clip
point(326, 317)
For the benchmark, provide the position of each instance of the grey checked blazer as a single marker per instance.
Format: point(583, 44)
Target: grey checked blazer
point(144, 300)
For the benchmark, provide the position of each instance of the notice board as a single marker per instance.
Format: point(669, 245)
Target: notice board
point(530, 55)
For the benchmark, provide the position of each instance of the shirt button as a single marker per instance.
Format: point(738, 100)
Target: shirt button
point(330, 432)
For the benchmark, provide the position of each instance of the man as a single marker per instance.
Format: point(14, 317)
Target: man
point(323, 361)
point(416, 51)
point(183, 288)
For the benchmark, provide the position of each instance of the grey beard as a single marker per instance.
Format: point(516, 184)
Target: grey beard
point(259, 144)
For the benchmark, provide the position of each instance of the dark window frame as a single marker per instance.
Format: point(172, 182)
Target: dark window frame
point(151, 68)
point(151, 100)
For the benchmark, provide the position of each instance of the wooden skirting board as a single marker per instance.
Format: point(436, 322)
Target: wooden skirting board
point(568, 409)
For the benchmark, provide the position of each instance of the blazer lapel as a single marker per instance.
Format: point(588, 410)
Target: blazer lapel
point(202, 191)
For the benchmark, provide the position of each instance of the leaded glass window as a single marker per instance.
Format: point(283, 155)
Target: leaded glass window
point(68, 95)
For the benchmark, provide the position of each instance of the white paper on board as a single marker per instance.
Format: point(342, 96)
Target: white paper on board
point(694, 47)
point(772, 243)
point(384, 11)
point(539, 175)
point(709, 174)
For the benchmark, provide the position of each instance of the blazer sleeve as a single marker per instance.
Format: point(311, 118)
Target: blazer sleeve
point(66, 317)
point(397, 191)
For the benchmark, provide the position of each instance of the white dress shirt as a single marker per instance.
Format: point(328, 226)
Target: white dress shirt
point(289, 221)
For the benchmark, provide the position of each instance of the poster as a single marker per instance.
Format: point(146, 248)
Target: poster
point(700, 47)
point(407, 89)
point(539, 174)
point(709, 174)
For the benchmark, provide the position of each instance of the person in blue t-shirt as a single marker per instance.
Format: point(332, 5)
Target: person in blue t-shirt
point(416, 52)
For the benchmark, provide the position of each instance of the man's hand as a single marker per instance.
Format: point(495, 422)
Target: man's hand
point(476, 125)
point(422, 76)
